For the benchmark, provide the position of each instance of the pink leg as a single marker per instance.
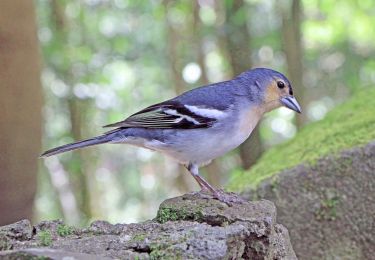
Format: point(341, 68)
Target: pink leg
point(217, 194)
point(205, 186)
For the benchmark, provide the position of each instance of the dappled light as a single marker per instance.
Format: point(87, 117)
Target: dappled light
point(72, 67)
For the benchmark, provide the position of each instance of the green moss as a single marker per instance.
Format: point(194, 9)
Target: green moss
point(172, 214)
point(160, 251)
point(157, 251)
point(45, 238)
point(328, 209)
point(166, 214)
point(24, 255)
point(274, 184)
point(64, 230)
point(349, 125)
point(139, 237)
point(5, 243)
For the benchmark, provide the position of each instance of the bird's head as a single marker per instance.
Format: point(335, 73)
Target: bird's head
point(272, 89)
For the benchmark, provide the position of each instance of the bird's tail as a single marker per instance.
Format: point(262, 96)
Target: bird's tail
point(80, 144)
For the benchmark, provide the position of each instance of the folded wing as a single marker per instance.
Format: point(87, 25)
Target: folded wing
point(167, 115)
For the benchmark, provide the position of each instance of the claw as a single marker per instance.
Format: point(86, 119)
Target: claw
point(228, 198)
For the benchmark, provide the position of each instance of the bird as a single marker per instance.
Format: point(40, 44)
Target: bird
point(201, 124)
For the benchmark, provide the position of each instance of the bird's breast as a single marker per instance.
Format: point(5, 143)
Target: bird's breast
point(247, 121)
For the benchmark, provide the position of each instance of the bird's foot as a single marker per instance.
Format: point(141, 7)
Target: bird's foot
point(203, 193)
point(228, 198)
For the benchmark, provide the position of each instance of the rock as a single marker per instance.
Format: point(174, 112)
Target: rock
point(46, 254)
point(193, 226)
point(19, 231)
point(328, 208)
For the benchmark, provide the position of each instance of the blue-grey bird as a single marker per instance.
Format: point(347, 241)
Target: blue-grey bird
point(201, 124)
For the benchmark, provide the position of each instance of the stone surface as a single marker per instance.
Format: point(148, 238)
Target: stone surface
point(19, 231)
point(46, 254)
point(328, 207)
point(187, 227)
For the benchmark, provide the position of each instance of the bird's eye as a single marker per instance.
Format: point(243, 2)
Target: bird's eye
point(280, 84)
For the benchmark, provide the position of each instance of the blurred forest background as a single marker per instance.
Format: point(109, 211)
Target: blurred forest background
point(95, 62)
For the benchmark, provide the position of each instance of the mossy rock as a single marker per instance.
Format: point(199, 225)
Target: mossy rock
point(208, 210)
point(172, 210)
point(193, 226)
point(349, 125)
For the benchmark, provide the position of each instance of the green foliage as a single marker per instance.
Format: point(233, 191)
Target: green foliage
point(64, 230)
point(349, 125)
point(45, 238)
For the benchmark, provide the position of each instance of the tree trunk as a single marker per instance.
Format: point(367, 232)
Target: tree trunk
point(80, 175)
point(173, 38)
point(79, 178)
point(292, 45)
point(238, 44)
point(21, 103)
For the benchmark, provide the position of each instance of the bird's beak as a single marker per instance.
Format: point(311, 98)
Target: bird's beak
point(291, 103)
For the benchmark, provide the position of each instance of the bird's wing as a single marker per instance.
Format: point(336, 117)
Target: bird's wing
point(172, 114)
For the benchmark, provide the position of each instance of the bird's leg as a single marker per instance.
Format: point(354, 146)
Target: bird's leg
point(205, 186)
point(228, 198)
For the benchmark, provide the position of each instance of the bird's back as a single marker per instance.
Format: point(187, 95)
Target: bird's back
point(214, 95)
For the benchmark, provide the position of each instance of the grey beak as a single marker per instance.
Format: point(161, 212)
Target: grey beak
point(291, 103)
